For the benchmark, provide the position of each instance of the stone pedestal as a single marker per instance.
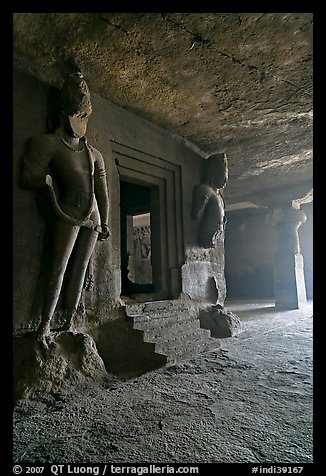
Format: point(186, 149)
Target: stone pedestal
point(203, 277)
point(290, 288)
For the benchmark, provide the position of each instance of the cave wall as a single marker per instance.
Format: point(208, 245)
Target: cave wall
point(120, 135)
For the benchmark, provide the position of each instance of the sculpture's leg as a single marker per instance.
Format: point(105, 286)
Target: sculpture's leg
point(63, 242)
point(69, 316)
point(83, 250)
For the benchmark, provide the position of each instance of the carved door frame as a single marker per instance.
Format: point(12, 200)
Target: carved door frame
point(164, 179)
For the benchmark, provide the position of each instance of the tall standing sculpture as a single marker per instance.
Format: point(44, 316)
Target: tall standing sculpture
point(208, 203)
point(74, 173)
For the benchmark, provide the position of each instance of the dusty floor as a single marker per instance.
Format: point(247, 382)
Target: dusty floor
point(250, 401)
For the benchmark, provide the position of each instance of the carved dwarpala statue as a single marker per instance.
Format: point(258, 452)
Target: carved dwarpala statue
point(74, 173)
point(208, 207)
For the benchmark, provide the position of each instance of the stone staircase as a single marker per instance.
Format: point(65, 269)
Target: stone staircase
point(173, 327)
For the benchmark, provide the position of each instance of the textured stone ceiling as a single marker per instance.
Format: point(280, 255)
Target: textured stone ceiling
point(239, 83)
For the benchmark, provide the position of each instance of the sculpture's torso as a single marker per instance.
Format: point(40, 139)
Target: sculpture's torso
point(73, 171)
point(208, 209)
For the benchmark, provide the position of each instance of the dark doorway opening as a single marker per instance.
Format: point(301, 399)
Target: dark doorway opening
point(136, 203)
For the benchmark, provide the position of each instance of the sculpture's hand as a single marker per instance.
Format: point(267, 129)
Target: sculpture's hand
point(105, 233)
point(48, 180)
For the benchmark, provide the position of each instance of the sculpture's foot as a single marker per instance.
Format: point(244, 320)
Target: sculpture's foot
point(43, 330)
point(69, 315)
point(43, 338)
point(66, 326)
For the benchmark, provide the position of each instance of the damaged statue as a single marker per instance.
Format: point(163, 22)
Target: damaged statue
point(74, 173)
point(208, 207)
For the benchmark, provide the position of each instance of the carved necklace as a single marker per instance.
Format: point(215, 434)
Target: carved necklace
point(70, 147)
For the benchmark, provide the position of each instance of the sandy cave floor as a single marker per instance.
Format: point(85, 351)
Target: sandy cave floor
point(250, 401)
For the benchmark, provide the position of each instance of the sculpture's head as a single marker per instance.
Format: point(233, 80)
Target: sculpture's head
point(75, 104)
point(217, 170)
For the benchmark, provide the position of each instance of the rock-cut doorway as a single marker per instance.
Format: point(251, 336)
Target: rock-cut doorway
point(139, 240)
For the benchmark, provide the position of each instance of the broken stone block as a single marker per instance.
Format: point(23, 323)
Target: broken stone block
point(50, 363)
point(220, 322)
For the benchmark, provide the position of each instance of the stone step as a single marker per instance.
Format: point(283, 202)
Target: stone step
point(164, 332)
point(174, 343)
point(191, 350)
point(172, 327)
point(156, 307)
point(153, 321)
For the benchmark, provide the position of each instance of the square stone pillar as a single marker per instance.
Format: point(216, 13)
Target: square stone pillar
point(290, 288)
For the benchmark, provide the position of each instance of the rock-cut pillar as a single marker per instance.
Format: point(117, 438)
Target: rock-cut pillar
point(290, 288)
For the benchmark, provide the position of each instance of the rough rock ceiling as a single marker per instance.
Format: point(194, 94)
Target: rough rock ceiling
point(239, 83)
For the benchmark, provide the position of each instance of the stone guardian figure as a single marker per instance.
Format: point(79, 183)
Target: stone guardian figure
point(208, 202)
point(74, 173)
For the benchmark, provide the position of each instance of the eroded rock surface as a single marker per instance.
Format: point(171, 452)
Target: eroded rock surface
point(54, 362)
